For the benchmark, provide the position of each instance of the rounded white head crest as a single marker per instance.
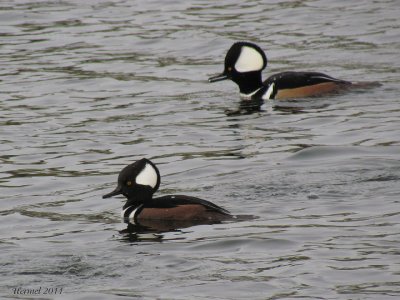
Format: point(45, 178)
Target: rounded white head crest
point(148, 176)
point(249, 60)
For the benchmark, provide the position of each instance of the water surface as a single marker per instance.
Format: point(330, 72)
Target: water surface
point(90, 86)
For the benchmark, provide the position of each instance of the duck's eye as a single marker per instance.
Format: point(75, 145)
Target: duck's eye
point(129, 183)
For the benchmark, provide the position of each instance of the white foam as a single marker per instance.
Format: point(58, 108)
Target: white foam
point(249, 60)
point(148, 176)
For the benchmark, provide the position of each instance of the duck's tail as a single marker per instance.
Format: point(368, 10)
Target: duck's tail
point(365, 84)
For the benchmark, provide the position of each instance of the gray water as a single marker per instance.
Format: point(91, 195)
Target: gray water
point(87, 87)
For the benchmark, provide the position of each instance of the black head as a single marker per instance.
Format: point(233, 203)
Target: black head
point(243, 65)
point(137, 181)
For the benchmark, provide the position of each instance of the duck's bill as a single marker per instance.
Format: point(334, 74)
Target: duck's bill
point(115, 192)
point(218, 77)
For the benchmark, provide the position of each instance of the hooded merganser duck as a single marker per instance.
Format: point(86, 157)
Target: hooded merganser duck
point(140, 180)
point(244, 63)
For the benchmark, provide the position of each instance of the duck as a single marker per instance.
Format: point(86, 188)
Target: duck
point(244, 63)
point(140, 180)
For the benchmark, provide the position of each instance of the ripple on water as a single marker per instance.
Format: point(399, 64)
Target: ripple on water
point(88, 87)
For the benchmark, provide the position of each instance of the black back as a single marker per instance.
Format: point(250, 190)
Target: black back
point(171, 201)
point(291, 80)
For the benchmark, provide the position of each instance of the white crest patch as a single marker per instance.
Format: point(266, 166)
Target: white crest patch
point(249, 60)
point(269, 92)
point(148, 176)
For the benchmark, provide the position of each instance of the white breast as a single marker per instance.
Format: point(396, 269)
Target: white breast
point(269, 92)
